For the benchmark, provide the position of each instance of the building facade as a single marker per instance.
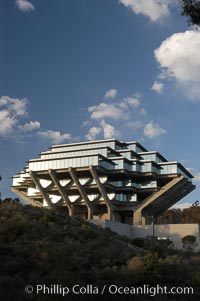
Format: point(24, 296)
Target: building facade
point(104, 179)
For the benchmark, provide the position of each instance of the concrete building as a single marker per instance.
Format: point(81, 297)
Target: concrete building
point(104, 180)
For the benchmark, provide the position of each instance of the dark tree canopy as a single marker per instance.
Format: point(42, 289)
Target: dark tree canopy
point(191, 9)
point(177, 216)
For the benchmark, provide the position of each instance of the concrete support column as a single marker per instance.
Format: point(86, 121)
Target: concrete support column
point(138, 218)
point(82, 192)
point(110, 212)
point(102, 192)
point(71, 210)
point(43, 192)
point(90, 213)
point(61, 190)
point(26, 198)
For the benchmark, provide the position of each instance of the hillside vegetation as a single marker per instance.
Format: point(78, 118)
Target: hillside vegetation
point(40, 246)
point(188, 215)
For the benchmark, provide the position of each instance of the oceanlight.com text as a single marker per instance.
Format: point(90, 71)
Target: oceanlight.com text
point(111, 289)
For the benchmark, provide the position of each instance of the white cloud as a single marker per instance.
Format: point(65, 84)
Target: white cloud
point(15, 106)
point(117, 110)
point(19, 107)
point(4, 100)
point(134, 125)
point(109, 131)
point(112, 93)
point(154, 9)
point(93, 133)
point(30, 126)
point(126, 116)
point(13, 111)
point(178, 57)
point(7, 123)
point(158, 87)
point(152, 130)
point(130, 101)
point(104, 110)
point(55, 136)
point(24, 5)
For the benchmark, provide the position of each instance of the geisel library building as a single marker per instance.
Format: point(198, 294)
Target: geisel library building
point(114, 183)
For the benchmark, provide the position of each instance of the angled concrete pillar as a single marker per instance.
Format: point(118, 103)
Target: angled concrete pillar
point(62, 192)
point(102, 192)
point(164, 192)
point(41, 189)
point(82, 192)
point(26, 198)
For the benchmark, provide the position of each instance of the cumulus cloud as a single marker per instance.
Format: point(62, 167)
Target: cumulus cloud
point(178, 57)
point(109, 131)
point(134, 125)
point(13, 112)
point(55, 136)
point(104, 110)
point(15, 106)
point(112, 93)
point(158, 87)
point(105, 114)
point(116, 111)
point(19, 107)
point(130, 102)
point(7, 123)
point(155, 10)
point(116, 118)
point(93, 133)
point(30, 126)
point(152, 130)
point(106, 129)
point(24, 5)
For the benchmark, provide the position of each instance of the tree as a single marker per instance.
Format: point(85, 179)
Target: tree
point(189, 242)
point(162, 247)
point(191, 9)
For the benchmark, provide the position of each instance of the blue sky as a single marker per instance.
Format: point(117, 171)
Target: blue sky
point(73, 70)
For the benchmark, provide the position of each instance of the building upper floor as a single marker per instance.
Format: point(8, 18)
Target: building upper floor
point(111, 155)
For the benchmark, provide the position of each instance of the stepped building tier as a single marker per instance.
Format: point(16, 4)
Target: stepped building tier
point(104, 179)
